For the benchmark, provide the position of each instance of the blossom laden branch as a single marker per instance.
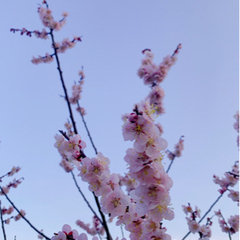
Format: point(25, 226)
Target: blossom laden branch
point(43, 34)
point(225, 183)
point(11, 173)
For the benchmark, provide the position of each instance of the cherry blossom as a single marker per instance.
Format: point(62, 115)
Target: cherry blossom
point(22, 213)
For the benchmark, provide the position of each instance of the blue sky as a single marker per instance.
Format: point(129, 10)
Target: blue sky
point(201, 97)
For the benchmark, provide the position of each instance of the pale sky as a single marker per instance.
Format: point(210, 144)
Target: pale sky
point(201, 97)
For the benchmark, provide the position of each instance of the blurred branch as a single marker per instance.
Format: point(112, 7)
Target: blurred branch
point(169, 166)
point(85, 197)
point(29, 223)
point(86, 127)
point(3, 229)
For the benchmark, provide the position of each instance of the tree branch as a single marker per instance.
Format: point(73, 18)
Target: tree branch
point(3, 229)
point(29, 223)
point(74, 126)
point(86, 127)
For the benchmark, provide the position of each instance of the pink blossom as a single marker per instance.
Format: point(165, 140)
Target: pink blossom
point(110, 183)
point(13, 171)
point(234, 223)
point(71, 148)
point(223, 225)
point(205, 230)
point(115, 203)
point(67, 166)
point(193, 226)
point(43, 34)
point(149, 228)
point(66, 232)
point(161, 211)
point(135, 227)
point(151, 194)
point(46, 59)
point(7, 221)
point(4, 190)
point(45, 15)
point(218, 213)
point(7, 211)
point(187, 209)
point(96, 229)
point(152, 147)
point(128, 182)
point(156, 99)
point(236, 124)
point(160, 235)
point(22, 213)
point(234, 195)
point(64, 45)
point(96, 185)
point(138, 130)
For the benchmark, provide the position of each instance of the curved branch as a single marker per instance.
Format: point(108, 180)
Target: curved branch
point(29, 223)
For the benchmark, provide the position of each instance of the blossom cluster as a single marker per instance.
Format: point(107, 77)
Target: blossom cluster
point(194, 227)
point(178, 148)
point(148, 200)
point(43, 34)
point(48, 21)
point(66, 44)
point(77, 89)
point(147, 182)
point(13, 171)
point(152, 73)
point(46, 59)
point(70, 149)
point(9, 211)
point(12, 184)
point(20, 215)
point(236, 125)
point(96, 172)
point(46, 17)
point(71, 234)
point(233, 223)
point(229, 180)
point(95, 229)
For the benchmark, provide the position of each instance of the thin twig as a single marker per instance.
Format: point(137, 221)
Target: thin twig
point(210, 208)
point(63, 84)
point(3, 229)
point(122, 230)
point(85, 198)
point(29, 223)
point(170, 162)
point(88, 132)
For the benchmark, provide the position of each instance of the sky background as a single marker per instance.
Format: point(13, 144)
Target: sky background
point(201, 97)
